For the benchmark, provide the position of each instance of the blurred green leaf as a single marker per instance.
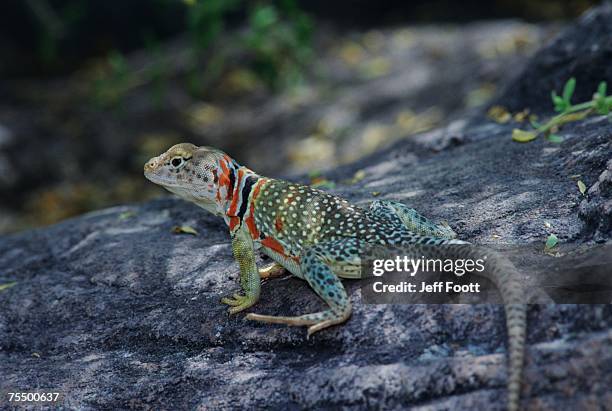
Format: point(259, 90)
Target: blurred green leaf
point(551, 241)
point(534, 123)
point(184, 229)
point(126, 214)
point(581, 187)
point(568, 91)
point(263, 17)
point(323, 183)
point(314, 174)
point(357, 177)
point(276, 40)
point(601, 105)
point(7, 285)
point(601, 89)
point(523, 136)
point(558, 102)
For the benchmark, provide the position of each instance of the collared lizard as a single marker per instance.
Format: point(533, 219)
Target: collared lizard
point(316, 236)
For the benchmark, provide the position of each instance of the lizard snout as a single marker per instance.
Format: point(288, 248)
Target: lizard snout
point(150, 165)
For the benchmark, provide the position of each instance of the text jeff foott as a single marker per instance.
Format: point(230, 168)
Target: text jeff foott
point(424, 287)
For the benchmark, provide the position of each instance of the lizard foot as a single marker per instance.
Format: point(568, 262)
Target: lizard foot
point(317, 321)
point(239, 302)
point(272, 319)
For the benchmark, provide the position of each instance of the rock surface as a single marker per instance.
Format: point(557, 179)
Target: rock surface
point(116, 312)
point(583, 51)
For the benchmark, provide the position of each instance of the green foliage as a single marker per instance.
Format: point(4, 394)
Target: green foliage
point(551, 242)
point(184, 229)
point(117, 78)
point(280, 47)
point(568, 112)
point(601, 104)
point(7, 285)
point(206, 19)
point(581, 187)
point(562, 104)
point(110, 88)
point(269, 44)
point(276, 40)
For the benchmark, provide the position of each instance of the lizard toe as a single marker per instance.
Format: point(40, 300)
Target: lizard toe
point(239, 302)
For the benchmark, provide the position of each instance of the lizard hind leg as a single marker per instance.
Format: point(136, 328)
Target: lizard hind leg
point(316, 270)
point(411, 219)
point(272, 270)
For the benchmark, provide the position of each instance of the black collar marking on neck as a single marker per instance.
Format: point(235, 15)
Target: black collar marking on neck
point(246, 191)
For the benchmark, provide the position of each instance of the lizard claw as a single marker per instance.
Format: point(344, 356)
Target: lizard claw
point(230, 301)
point(239, 302)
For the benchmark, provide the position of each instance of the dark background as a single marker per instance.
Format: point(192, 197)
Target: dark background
point(89, 90)
point(80, 29)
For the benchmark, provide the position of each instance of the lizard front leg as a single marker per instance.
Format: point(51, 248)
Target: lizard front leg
point(250, 281)
point(320, 267)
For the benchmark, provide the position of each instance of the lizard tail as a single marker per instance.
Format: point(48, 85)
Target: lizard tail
point(516, 324)
point(505, 276)
point(507, 279)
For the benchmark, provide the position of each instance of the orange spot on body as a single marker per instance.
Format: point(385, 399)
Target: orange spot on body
point(224, 180)
point(250, 222)
point(233, 222)
point(261, 182)
point(250, 218)
point(278, 224)
point(236, 194)
point(273, 245)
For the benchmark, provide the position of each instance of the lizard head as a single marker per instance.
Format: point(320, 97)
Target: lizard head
point(193, 173)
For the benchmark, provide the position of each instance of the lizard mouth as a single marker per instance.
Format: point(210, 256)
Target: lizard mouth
point(171, 185)
point(159, 180)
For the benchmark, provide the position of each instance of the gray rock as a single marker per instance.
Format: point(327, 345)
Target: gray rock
point(115, 311)
point(596, 208)
point(583, 51)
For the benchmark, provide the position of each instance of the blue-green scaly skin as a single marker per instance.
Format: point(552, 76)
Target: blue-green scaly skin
point(307, 216)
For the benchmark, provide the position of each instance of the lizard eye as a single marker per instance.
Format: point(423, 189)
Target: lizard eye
point(177, 162)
